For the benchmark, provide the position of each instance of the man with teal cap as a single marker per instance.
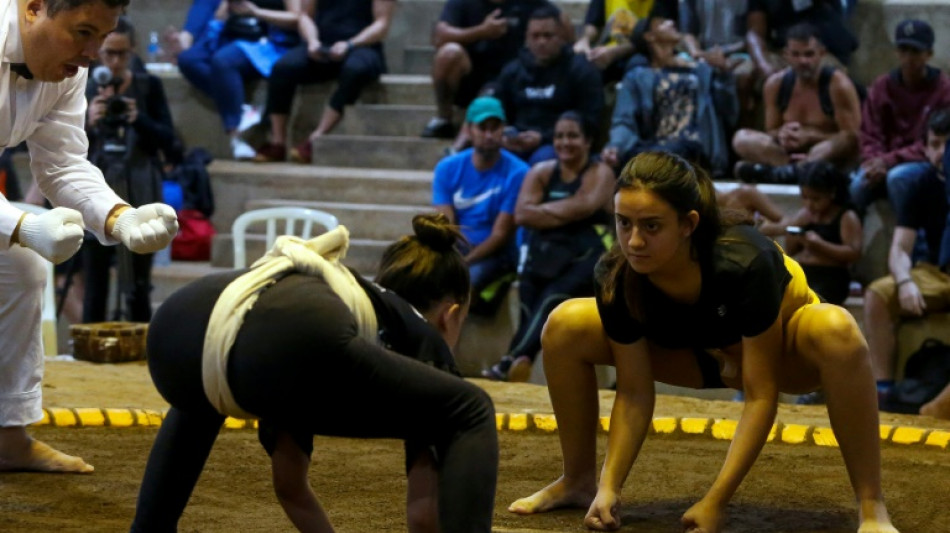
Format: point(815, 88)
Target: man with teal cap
point(477, 189)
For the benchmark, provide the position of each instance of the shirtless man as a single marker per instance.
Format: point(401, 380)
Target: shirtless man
point(812, 113)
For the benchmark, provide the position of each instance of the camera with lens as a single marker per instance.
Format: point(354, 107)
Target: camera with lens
point(116, 107)
point(111, 127)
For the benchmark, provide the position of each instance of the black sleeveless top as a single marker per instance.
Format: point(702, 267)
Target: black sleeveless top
point(831, 231)
point(558, 189)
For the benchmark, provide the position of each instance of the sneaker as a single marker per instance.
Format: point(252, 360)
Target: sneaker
point(812, 398)
point(520, 371)
point(761, 173)
point(753, 172)
point(439, 128)
point(250, 116)
point(302, 153)
point(241, 151)
point(271, 153)
point(499, 370)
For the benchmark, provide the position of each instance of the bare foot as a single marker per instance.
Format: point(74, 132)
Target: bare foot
point(873, 526)
point(19, 452)
point(936, 410)
point(874, 518)
point(554, 496)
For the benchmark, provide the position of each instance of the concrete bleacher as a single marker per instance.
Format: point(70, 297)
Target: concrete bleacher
point(374, 172)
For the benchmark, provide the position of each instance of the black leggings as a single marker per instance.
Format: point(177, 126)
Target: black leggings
point(539, 296)
point(361, 66)
point(296, 355)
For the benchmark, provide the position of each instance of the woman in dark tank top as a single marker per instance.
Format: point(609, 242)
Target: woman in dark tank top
point(828, 237)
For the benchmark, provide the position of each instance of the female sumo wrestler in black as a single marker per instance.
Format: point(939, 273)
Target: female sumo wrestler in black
point(689, 299)
point(284, 340)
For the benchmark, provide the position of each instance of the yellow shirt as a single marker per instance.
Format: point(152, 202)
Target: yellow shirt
point(622, 16)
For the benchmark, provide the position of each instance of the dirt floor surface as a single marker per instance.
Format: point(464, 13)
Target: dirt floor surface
point(792, 488)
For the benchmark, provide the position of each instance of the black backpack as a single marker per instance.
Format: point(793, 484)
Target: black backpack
point(926, 373)
point(824, 91)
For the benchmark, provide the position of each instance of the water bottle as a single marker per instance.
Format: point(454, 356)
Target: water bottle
point(154, 48)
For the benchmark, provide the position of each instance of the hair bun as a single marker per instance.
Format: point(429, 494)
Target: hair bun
point(435, 231)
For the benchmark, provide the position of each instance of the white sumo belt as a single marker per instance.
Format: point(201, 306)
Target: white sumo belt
point(319, 256)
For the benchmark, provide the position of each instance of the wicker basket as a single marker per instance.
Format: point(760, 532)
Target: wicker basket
point(109, 342)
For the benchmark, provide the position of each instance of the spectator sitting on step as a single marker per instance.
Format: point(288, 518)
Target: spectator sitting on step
point(564, 205)
point(343, 40)
point(894, 118)
point(824, 236)
point(911, 290)
point(223, 60)
point(747, 197)
point(474, 39)
point(605, 41)
point(546, 80)
point(812, 113)
point(769, 24)
point(670, 104)
point(477, 189)
point(713, 30)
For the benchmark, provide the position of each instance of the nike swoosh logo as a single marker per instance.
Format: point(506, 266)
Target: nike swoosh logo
point(461, 202)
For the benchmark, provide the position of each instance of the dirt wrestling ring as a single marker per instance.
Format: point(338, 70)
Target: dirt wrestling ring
point(799, 483)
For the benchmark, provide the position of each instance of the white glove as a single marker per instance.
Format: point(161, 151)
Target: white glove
point(56, 234)
point(146, 229)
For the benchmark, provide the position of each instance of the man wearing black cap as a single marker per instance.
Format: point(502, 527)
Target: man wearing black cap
point(894, 118)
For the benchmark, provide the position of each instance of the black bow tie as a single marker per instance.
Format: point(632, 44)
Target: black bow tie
point(22, 70)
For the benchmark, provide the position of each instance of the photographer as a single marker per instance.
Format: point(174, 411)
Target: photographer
point(128, 124)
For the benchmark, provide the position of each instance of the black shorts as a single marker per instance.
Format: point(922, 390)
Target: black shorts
point(473, 84)
point(709, 368)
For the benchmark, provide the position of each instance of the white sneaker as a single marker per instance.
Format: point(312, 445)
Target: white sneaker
point(250, 116)
point(241, 150)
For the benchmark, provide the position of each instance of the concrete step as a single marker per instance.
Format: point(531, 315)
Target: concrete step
point(406, 153)
point(198, 123)
point(384, 120)
point(235, 184)
point(786, 197)
point(166, 279)
point(417, 59)
point(364, 221)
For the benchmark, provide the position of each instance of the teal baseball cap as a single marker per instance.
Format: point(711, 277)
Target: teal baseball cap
point(484, 108)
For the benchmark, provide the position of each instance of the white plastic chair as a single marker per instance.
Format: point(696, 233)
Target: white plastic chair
point(271, 215)
point(50, 344)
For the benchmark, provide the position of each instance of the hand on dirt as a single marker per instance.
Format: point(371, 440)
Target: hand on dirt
point(604, 513)
point(703, 517)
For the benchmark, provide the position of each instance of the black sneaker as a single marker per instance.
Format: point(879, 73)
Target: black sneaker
point(499, 370)
point(753, 172)
point(439, 128)
point(761, 173)
point(812, 398)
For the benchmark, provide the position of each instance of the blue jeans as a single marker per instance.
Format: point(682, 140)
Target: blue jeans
point(545, 152)
point(944, 258)
point(896, 186)
point(220, 73)
point(487, 270)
